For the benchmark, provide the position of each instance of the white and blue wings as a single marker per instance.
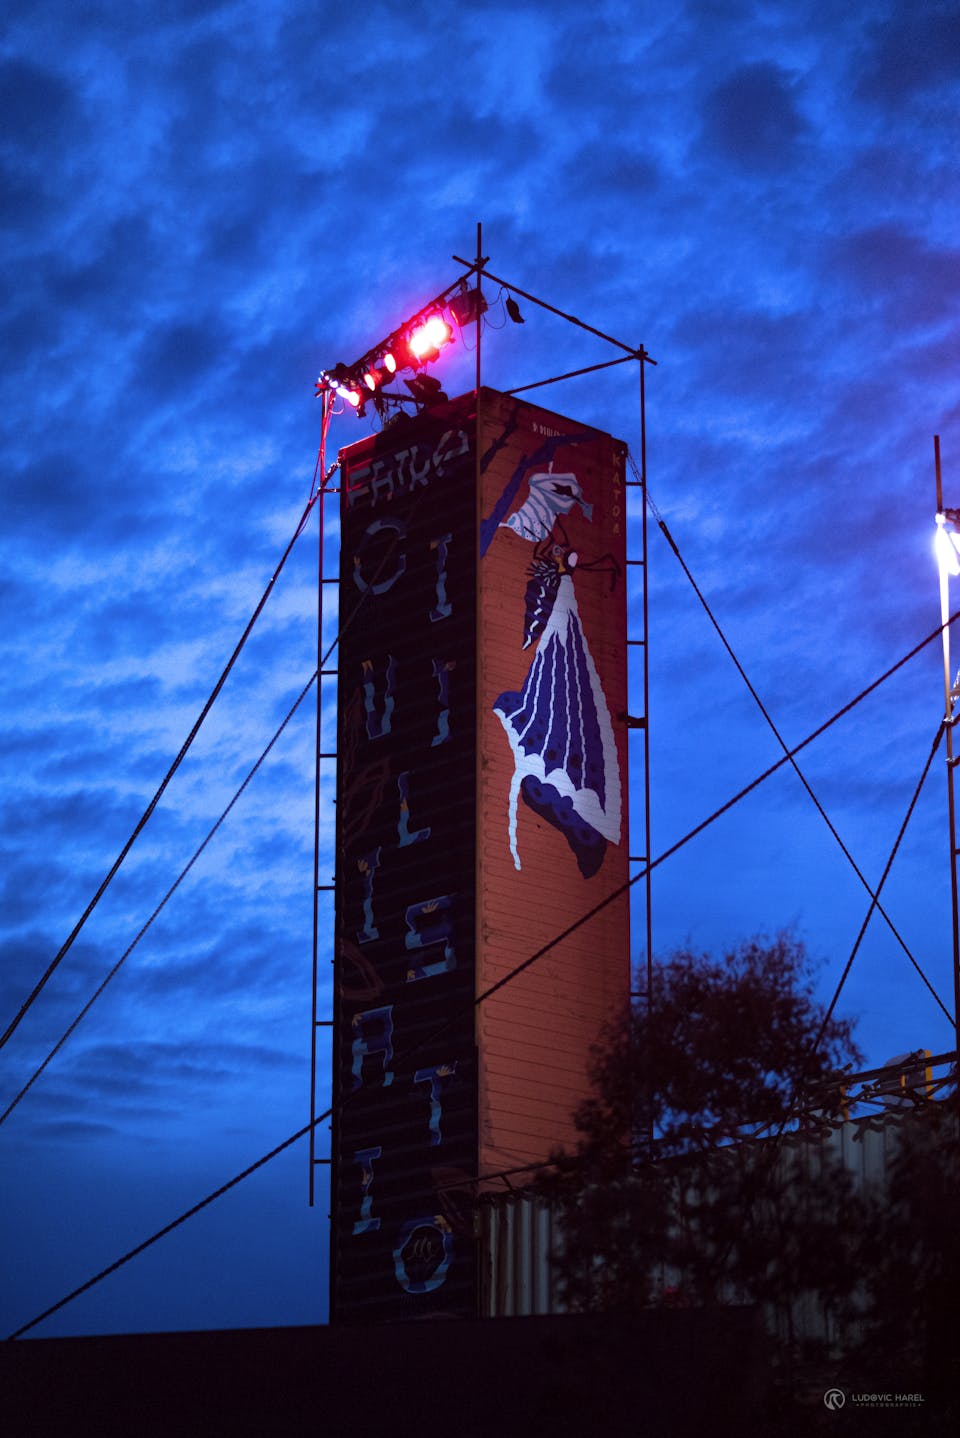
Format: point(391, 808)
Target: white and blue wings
point(565, 757)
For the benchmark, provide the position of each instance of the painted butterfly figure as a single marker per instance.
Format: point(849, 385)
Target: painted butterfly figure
point(565, 756)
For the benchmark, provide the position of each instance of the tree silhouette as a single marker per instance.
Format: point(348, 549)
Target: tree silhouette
point(694, 1181)
point(910, 1248)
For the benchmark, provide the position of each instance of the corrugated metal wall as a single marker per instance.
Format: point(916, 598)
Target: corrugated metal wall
point(520, 1233)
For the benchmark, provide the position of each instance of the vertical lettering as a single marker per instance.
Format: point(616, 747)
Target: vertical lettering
point(366, 1223)
point(407, 837)
point(423, 1253)
point(442, 669)
point(431, 923)
point(380, 586)
point(368, 1044)
point(354, 486)
point(378, 725)
point(368, 866)
point(381, 481)
point(452, 445)
point(443, 608)
point(434, 1076)
point(419, 476)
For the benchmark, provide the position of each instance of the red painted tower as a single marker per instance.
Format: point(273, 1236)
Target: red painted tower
point(481, 810)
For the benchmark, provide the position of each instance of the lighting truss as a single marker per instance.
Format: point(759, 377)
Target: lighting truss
point(411, 346)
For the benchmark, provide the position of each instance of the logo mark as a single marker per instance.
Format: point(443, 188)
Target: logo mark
point(835, 1398)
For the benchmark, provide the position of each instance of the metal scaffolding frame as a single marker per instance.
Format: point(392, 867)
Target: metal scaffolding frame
point(636, 724)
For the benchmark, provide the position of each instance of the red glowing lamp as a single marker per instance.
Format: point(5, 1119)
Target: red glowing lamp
point(427, 339)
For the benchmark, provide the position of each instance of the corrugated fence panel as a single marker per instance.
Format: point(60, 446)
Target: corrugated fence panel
point(520, 1233)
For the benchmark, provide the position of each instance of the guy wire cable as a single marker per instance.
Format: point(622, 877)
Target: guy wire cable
point(874, 905)
point(314, 495)
point(520, 968)
point(754, 1183)
point(117, 966)
point(67, 945)
point(162, 904)
point(875, 900)
point(783, 745)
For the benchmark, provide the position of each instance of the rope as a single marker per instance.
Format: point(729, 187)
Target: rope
point(68, 944)
point(162, 904)
point(781, 741)
point(520, 968)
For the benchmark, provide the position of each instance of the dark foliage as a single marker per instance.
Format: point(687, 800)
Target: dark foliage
point(692, 1182)
point(708, 1172)
point(910, 1249)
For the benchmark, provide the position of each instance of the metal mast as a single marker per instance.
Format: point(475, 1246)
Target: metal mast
point(948, 564)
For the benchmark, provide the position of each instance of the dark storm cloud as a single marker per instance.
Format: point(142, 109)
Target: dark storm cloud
point(23, 200)
point(615, 174)
point(226, 963)
point(597, 88)
point(752, 118)
point(910, 49)
point(73, 1130)
point(49, 490)
point(19, 970)
point(119, 261)
point(39, 108)
point(123, 1072)
point(71, 815)
point(28, 886)
point(915, 282)
point(765, 356)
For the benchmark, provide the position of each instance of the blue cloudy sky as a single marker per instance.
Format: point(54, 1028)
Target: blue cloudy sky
point(202, 205)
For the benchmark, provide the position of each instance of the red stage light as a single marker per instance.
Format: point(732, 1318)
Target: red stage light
point(371, 379)
point(426, 340)
point(389, 363)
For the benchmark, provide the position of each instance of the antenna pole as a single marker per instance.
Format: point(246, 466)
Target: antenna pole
point(949, 721)
point(479, 299)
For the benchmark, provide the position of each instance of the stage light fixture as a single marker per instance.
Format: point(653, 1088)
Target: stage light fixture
point(425, 389)
point(414, 346)
point(467, 306)
point(427, 339)
point(346, 387)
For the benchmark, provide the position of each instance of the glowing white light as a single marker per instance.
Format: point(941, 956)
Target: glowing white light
point(429, 336)
point(947, 548)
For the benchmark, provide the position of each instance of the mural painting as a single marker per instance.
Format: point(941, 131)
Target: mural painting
point(552, 827)
point(480, 789)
